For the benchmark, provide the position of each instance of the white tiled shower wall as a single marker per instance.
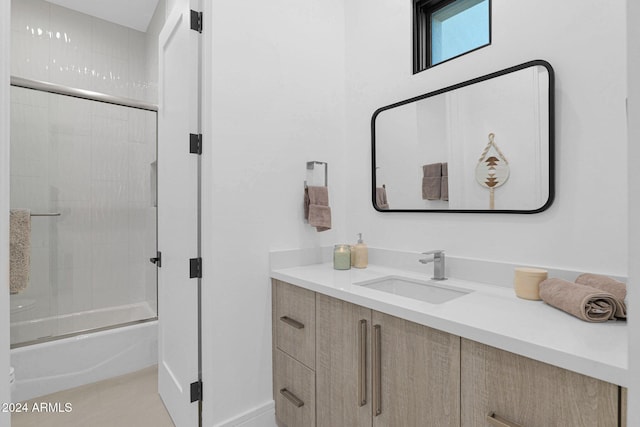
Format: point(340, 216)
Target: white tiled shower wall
point(88, 160)
point(62, 46)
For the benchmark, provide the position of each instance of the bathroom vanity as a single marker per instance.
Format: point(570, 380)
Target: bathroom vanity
point(347, 354)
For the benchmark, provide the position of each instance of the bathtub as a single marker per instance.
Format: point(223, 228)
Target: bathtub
point(27, 330)
point(60, 364)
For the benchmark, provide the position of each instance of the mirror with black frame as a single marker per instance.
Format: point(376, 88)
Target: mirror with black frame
point(484, 145)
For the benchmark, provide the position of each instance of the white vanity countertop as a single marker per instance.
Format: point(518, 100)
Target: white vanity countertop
point(492, 315)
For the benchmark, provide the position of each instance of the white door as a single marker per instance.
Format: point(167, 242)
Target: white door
point(178, 215)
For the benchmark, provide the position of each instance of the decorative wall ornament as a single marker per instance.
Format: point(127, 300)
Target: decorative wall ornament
point(492, 169)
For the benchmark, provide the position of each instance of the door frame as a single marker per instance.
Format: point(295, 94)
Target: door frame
point(5, 71)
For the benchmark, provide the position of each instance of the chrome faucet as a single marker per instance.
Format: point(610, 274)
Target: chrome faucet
point(438, 263)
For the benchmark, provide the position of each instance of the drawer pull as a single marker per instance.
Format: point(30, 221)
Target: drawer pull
point(291, 397)
point(498, 421)
point(289, 321)
point(377, 371)
point(362, 369)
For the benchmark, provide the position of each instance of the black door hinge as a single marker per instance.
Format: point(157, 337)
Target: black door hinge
point(195, 268)
point(196, 391)
point(196, 21)
point(157, 260)
point(195, 143)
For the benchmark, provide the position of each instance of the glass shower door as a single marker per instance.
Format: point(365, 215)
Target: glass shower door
point(86, 172)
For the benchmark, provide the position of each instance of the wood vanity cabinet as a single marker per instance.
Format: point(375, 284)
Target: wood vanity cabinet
point(337, 364)
point(524, 392)
point(376, 369)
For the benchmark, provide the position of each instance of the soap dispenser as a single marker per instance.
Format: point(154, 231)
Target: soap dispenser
point(361, 257)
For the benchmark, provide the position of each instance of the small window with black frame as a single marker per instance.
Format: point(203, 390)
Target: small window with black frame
point(446, 29)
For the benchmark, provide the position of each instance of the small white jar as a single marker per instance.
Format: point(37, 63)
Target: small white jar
point(526, 282)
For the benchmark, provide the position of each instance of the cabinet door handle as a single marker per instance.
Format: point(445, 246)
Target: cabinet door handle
point(498, 421)
point(377, 371)
point(291, 397)
point(291, 322)
point(362, 368)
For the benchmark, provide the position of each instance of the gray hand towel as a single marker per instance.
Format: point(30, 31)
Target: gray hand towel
point(19, 249)
point(444, 184)
point(607, 284)
point(431, 181)
point(381, 198)
point(320, 217)
point(584, 302)
point(317, 209)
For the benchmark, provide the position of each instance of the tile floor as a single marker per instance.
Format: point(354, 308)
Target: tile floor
point(128, 400)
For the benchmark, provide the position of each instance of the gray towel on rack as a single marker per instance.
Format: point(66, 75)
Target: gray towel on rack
point(381, 198)
point(431, 181)
point(19, 249)
point(444, 183)
point(317, 209)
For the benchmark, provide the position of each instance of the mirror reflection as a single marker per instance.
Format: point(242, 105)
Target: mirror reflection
point(485, 145)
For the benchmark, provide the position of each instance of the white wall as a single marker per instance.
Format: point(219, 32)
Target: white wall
point(152, 61)
point(633, 159)
point(5, 37)
point(585, 43)
point(274, 85)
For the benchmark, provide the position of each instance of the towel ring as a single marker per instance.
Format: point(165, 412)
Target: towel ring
point(311, 166)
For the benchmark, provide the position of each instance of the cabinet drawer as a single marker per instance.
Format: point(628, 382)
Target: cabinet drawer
point(295, 322)
point(529, 393)
point(295, 392)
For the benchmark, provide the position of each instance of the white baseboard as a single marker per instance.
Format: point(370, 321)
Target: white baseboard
point(261, 416)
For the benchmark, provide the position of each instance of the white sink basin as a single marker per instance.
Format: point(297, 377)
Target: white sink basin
point(431, 291)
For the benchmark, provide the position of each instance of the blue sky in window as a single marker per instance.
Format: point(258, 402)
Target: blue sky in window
point(454, 33)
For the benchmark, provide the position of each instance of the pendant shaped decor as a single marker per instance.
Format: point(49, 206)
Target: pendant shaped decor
point(492, 170)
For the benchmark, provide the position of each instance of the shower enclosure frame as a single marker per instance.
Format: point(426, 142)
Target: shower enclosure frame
point(89, 95)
